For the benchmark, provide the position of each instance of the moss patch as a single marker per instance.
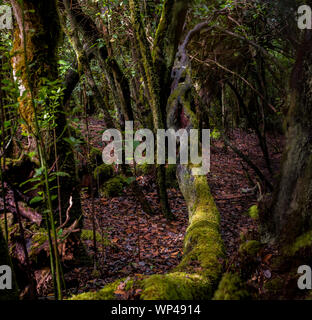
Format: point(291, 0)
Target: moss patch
point(88, 235)
point(253, 212)
point(250, 247)
point(95, 157)
point(106, 293)
point(144, 169)
point(176, 286)
point(274, 286)
point(37, 240)
point(231, 287)
point(113, 187)
point(302, 242)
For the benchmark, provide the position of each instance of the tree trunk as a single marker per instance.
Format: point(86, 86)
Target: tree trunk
point(36, 38)
point(117, 81)
point(153, 84)
point(290, 215)
point(83, 63)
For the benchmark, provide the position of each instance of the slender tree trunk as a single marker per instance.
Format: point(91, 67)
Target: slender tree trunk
point(153, 83)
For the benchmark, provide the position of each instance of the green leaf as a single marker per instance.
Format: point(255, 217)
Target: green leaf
point(60, 174)
point(36, 199)
point(38, 172)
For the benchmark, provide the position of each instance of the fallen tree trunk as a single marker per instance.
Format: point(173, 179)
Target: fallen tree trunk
point(26, 212)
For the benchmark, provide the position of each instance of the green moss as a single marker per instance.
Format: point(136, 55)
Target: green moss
point(106, 293)
point(182, 95)
point(231, 287)
point(103, 173)
point(250, 247)
point(302, 242)
point(176, 286)
point(38, 239)
point(113, 187)
point(88, 235)
point(41, 21)
point(215, 134)
point(203, 243)
point(10, 219)
point(144, 169)
point(161, 32)
point(253, 212)
point(129, 285)
point(275, 285)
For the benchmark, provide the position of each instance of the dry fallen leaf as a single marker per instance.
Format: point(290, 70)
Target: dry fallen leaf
point(267, 258)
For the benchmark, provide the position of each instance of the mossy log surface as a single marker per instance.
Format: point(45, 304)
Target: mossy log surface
point(231, 287)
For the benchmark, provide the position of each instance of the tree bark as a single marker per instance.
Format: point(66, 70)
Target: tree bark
point(290, 214)
point(153, 84)
point(36, 38)
point(116, 79)
point(83, 63)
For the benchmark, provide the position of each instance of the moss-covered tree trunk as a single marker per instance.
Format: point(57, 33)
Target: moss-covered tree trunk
point(290, 215)
point(83, 61)
point(157, 64)
point(167, 39)
point(114, 75)
point(36, 38)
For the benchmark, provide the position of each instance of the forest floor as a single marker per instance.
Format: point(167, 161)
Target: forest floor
point(131, 242)
point(136, 243)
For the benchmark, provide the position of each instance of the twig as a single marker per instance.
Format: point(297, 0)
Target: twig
point(67, 213)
